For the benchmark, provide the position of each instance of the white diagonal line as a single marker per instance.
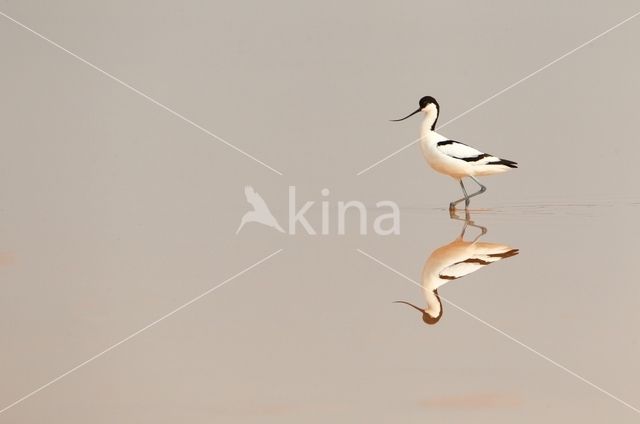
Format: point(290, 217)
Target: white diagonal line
point(504, 90)
point(529, 348)
point(132, 335)
point(135, 90)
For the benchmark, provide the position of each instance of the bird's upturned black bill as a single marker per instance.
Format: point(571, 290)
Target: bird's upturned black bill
point(408, 116)
point(410, 304)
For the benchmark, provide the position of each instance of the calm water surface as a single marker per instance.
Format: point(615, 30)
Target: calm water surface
point(314, 333)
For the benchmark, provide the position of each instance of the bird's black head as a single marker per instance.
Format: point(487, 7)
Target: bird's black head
point(426, 101)
point(423, 104)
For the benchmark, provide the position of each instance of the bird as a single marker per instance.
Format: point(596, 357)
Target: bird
point(456, 260)
point(260, 212)
point(453, 158)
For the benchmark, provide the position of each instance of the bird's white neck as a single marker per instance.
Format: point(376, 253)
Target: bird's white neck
point(429, 120)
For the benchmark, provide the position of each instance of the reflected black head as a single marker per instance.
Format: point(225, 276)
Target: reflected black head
point(428, 319)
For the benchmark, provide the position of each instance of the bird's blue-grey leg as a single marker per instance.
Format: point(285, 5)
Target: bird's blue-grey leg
point(483, 230)
point(468, 222)
point(454, 215)
point(452, 205)
point(482, 190)
point(482, 187)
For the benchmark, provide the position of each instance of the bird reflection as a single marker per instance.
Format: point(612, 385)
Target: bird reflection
point(453, 261)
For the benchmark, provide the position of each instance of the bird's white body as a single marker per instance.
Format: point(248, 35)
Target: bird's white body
point(453, 158)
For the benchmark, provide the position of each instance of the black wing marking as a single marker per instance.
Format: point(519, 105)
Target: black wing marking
point(461, 151)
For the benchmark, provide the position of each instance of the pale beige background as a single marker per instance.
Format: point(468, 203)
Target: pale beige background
point(113, 212)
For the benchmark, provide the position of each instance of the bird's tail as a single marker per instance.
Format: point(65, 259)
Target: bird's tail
point(504, 255)
point(505, 162)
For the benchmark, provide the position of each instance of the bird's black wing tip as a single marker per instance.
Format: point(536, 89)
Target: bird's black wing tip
point(505, 162)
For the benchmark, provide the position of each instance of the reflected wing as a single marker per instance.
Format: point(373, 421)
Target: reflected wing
point(460, 269)
point(475, 262)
